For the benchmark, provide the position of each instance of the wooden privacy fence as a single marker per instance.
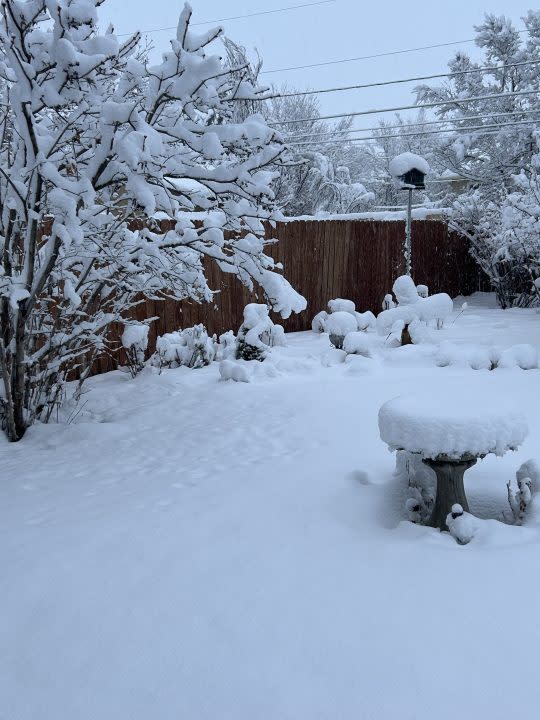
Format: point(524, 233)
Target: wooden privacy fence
point(324, 259)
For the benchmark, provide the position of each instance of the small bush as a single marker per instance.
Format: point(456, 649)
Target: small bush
point(190, 347)
point(257, 334)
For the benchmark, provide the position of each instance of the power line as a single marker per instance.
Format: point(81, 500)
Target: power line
point(404, 80)
point(402, 126)
point(462, 131)
point(375, 55)
point(408, 107)
point(237, 17)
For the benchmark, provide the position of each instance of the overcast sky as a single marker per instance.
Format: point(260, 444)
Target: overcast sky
point(341, 29)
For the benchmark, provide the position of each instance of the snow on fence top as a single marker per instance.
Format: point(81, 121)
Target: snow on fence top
point(406, 162)
point(384, 215)
point(450, 424)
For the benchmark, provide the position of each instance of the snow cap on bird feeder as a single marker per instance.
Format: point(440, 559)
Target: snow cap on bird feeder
point(410, 170)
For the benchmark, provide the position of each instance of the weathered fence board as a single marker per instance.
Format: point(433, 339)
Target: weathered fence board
point(324, 259)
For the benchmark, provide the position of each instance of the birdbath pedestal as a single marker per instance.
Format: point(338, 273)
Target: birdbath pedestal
point(450, 488)
point(451, 431)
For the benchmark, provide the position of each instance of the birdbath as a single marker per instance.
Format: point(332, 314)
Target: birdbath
point(450, 431)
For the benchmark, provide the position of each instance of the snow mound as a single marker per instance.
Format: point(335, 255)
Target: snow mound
point(462, 525)
point(448, 423)
point(333, 357)
point(357, 343)
point(487, 358)
point(230, 370)
point(521, 356)
point(471, 356)
point(405, 162)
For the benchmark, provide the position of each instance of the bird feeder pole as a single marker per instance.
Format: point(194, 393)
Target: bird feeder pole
point(408, 243)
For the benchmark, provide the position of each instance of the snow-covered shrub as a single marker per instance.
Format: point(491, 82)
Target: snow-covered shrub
point(342, 305)
point(366, 320)
point(135, 342)
point(462, 525)
point(436, 308)
point(412, 308)
point(388, 320)
point(520, 495)
point(519, 498)
point(339, 324)
point(357, 343)
point(257, 333)
point(318, 324)
point(225, 348)
point(421, 483)
point(388, 302)
point(190, 347)
point(405, 290)
point(530, 469)
point(422, 290)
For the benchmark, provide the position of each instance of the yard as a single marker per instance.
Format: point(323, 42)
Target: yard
point(191, 548)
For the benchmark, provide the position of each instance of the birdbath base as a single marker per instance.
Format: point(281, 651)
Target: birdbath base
point(450, 489)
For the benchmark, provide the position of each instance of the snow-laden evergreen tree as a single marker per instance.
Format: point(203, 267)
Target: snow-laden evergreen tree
point(95, 141)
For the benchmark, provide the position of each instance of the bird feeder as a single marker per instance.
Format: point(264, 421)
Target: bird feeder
point(413, 180)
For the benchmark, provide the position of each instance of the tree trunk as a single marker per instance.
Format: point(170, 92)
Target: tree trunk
point(406, 336)
point(450, 489)
point(18, 377)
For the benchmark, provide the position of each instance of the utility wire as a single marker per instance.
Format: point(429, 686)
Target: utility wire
point(236, 17)
point(487, 68)
point(452, 101)
point(403, 126)
point(461, 131)
point(375, 55)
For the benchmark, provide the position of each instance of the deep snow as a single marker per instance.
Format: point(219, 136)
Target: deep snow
point(199, 549)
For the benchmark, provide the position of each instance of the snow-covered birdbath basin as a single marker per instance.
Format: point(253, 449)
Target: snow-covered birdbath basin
point(450, 431)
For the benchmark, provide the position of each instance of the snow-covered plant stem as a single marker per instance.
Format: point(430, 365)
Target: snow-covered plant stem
point(94, 142)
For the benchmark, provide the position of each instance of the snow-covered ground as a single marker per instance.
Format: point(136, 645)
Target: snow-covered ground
point(198, 549)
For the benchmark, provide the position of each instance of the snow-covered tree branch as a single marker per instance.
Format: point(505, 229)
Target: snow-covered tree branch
point(92, 139)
